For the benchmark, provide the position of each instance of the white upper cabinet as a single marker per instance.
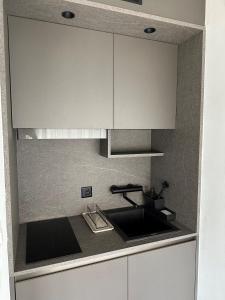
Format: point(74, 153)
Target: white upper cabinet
point(145, 82)
point(69, 77)
point(61, 76)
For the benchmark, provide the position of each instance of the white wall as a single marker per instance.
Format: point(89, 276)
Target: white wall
point(211, 279)
point(4, 271)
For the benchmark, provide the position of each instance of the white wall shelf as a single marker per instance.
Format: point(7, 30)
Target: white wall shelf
point(135, 155)
point(118, 144)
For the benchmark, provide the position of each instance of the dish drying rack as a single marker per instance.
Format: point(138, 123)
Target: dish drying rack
point(96, 219)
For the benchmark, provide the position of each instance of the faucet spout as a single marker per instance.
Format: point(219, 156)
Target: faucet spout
point(129, 200)
point(124, 189)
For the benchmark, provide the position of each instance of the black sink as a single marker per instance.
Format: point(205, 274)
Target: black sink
point(137, 222)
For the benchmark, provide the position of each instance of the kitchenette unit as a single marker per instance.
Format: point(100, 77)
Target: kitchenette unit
point(103, 104)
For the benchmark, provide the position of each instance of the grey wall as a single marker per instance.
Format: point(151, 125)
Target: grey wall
point(51, 173)
point(180, 165)
point(130, 140)
point(9, 139)
point(192, 11)
point(10, 163)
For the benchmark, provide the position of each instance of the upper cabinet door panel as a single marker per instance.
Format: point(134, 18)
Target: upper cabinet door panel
point(145, 81)
point(61, 76)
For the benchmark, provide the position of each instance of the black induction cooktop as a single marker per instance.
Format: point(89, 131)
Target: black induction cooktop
point(50, 239)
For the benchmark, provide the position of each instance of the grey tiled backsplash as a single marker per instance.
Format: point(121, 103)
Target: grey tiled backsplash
point(52, 172)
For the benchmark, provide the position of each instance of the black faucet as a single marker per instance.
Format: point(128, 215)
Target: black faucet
point(124, 189)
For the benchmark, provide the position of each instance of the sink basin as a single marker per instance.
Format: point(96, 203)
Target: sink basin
point(135, 223)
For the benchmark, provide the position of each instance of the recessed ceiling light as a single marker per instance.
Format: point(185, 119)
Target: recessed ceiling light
point(68, 14)
point(149, 30)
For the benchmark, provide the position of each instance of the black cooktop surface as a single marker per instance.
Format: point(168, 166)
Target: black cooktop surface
point(50, 239)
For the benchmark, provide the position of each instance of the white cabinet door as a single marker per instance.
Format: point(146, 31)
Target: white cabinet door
point(145, 82)
point(61, 76)
point(163, 274)
point(107, 280)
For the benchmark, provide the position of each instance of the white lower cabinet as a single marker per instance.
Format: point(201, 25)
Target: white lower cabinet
point(107, 280)
point(163, 274)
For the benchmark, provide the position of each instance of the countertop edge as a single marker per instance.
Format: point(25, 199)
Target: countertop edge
point(79, 262)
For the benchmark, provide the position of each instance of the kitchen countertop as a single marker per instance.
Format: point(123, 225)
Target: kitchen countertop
point(95, 248)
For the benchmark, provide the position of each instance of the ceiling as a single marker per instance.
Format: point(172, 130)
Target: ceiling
point(103, 17)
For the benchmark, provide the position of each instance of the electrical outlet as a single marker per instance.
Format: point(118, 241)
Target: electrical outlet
point(86, 192)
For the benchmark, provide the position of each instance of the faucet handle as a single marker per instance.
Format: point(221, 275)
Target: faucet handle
point(115, 189)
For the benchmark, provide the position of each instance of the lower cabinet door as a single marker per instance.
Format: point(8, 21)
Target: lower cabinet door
point(101, 281)
point(163, 274)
